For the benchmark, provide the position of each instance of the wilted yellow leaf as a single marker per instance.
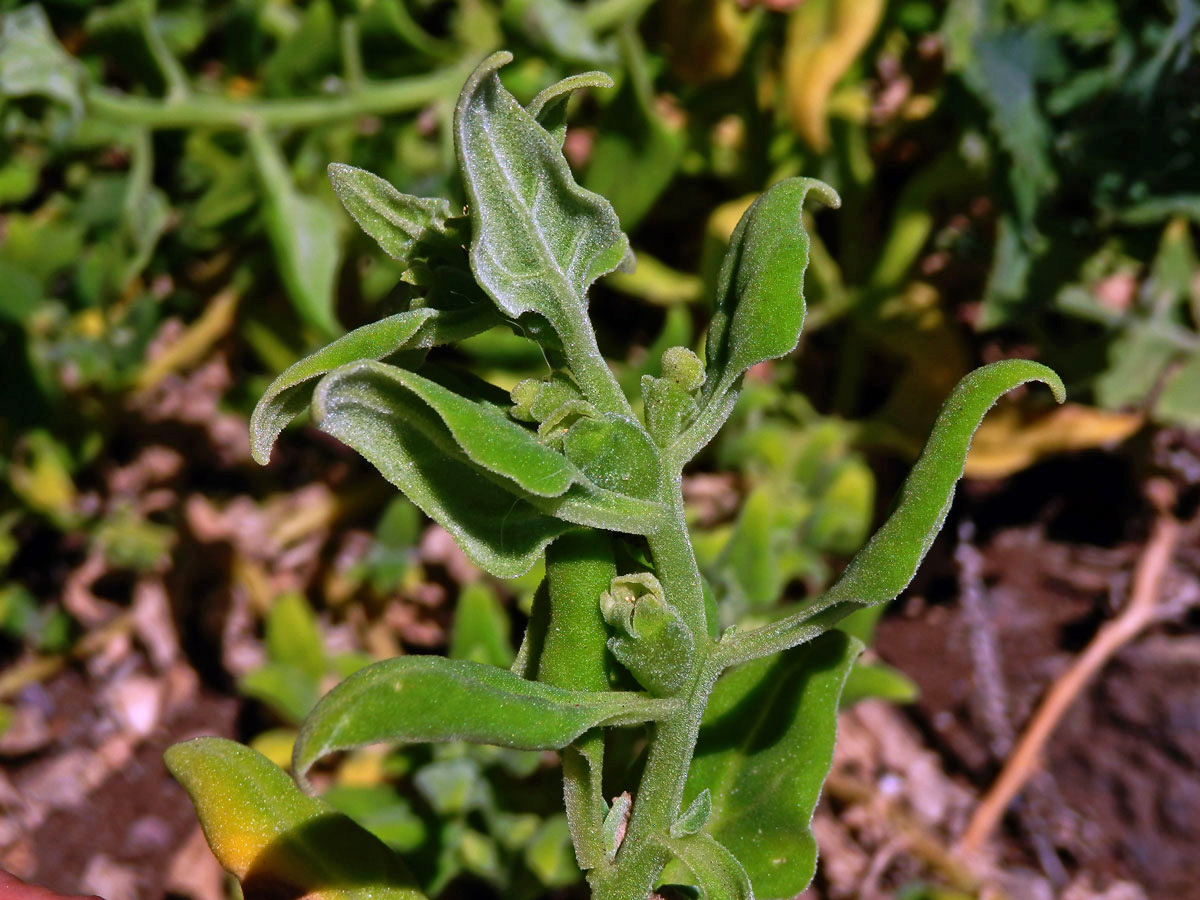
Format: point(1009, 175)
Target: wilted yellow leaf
point(1009, 441)
point(707, 38)
point(824, 37)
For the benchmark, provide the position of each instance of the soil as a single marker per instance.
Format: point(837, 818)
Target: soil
point(1120, 793)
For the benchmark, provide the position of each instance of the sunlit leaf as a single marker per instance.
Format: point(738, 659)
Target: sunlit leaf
point(760, 295)
point(717, 872)
point(273, 837)
point(539, 239)
point(396, 221)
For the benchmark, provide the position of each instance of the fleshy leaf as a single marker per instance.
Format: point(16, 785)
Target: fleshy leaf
point(764, 751)
point(290, 393)
point(539, 239)
point(549, 107)
point(717, 872)
point(396, 221)
point(488, 437)
point(414, 450)
point(888, 562)
point(614, 454)
point(694, 817)
point(760, 292)
point(429, 698)
point(276, 840)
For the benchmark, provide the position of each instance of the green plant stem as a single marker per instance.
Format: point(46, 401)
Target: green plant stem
point(587, 364)
point(381, 98)
point(656, 805)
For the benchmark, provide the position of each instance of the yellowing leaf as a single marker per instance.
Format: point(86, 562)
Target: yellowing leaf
point(275, 839)
point(708, 38)
point(824, 38)
point(1009, 441)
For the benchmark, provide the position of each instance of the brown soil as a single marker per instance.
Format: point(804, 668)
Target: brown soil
point(1120, 794)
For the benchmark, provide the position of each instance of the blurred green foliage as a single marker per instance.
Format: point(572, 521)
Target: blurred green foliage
point(1018, 177)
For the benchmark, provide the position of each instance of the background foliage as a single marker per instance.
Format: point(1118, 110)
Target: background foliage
point(1018, 179)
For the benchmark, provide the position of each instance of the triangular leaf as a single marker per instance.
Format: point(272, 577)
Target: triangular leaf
point(397, 221)
point(539, 239)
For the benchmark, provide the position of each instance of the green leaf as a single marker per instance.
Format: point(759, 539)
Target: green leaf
point(885, 566)
point(760, 291)
point(539, 239)
point(290, 393)
point(888, 562)
point(480, 627)
point(487, 436)
point(694, 817)
point(878, 681)
point(549, 107)
point(428, 698)
point(34, 63)
point(292, 635)
point(560, 28)
point(305, 234)
point(615, 454)
point(765, 747)
point(717, 872)
point(413, 448)
point(398, 222)
point(275, 839)
point(288, 690)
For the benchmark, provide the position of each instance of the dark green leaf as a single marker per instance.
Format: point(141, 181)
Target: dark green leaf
point(614, 454)
point(413, 448)
point(428, 698)
point(290, 393)
point(718, 874)
point(764, 750)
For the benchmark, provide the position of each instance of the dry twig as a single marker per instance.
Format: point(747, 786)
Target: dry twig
point(1139, 612)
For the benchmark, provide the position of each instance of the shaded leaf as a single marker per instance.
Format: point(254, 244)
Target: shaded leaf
point(274, 838)
point(413, 448)
point(717, 872)
point(765, 747)
point(429, 698)
point(480, 627)
point(305, 235)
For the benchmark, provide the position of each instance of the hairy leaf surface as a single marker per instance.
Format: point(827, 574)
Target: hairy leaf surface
point(717, 872)
point(765, 747)
point(396, 221)
point(760, 292)
point(539, 239)
point(413, 448)
point(429, 698)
